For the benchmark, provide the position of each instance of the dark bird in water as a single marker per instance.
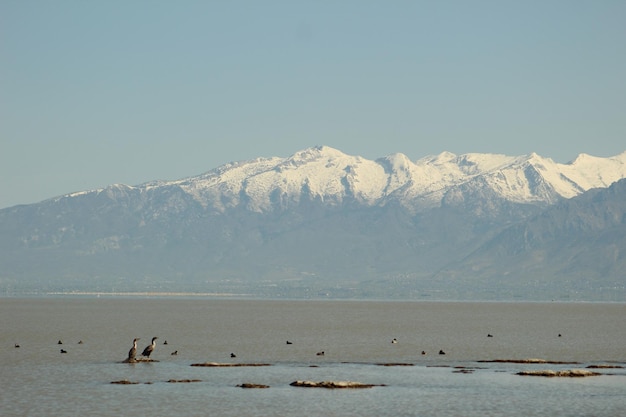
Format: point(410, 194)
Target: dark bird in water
point(63, 351)
point(16, 345)
point(232, 355)
point(441, 352)
point(320, 353)
point(80, 342)
point(59, 343)
point(174, 353)
point(148, 350)
point(489, 335)
point(133, 351)
point(165, 343)
point(289, 343)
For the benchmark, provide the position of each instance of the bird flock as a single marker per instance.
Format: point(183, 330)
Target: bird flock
point(132, 353)
point(147, 351)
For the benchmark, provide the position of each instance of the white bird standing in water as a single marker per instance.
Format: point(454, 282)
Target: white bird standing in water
point(148, 350)
point(133, 351)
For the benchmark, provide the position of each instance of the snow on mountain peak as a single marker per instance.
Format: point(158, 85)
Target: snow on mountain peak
point(442, 158)
point(583, 158)
point(589, 171)
point(315, 152)
point(327, 175)
point(396, 161)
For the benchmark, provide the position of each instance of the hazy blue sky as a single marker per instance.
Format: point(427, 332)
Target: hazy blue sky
point(126, 91)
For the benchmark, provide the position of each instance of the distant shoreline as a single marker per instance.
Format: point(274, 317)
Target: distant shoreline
point(249, 296)
point(146, 294)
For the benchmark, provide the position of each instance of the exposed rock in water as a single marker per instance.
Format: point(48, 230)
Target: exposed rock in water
point(184, 380)
point(462, 370)
point(570, 373)
point(249, 385)
point(394, 364)
point(332, 384)
point(124, 382)
point(605, 367)
point(218, 364)
point(140, 360)
point(532, 360)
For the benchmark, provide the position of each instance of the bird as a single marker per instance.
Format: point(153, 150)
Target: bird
point(17, 345)
point(489, 335)
point(63, 351)
point(394, 340)
point(148, 350)
point(441, 352)
point(80, 342)
point(59, 342)
point(165, 343)
point(232, 355)
point(174, 353)
point(133, 351)
point(320, 353)
point(289, 343)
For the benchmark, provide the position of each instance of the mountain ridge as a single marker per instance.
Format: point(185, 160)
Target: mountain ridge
point(323, 222)
point(330, 175)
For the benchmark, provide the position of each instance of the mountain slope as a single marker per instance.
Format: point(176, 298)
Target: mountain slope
point(319, 221)
point(577, 244)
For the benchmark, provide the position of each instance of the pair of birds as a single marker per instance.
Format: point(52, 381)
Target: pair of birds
point(146, 352)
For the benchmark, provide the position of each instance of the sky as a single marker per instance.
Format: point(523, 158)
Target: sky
point(94, 93)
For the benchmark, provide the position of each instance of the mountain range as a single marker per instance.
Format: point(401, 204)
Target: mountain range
point(321, 223)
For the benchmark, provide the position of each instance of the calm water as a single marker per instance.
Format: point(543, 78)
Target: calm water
point(37, 380)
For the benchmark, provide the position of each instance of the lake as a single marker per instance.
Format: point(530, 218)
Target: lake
point(355, 336)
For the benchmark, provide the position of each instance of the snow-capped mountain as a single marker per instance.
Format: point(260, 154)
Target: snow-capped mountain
point(321, 222)
point(331, 177)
